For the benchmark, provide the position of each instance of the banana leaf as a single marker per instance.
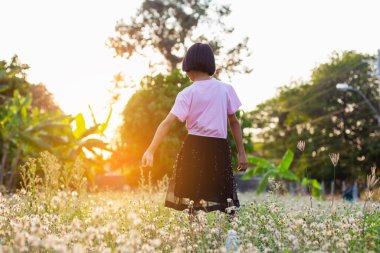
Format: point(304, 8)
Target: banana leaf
point(286, 161)
point(95, 143)
point(264, 180)
point(254, 172)
point(80, 126)
point(35, 142)
point(47, 126)
point(288, 175)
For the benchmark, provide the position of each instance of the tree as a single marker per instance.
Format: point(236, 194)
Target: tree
point(329, 120)
point(168, 26)
point(43, 99)
point(13, 77)
point(27, 128)
point(141, 116)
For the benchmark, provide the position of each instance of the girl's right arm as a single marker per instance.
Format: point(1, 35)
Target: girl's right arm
point(162, 129)
point(236, 133)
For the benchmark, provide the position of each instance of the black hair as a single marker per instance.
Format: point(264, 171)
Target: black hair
point(199, 57)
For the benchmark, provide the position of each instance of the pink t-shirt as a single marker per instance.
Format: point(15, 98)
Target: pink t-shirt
point(205, 105)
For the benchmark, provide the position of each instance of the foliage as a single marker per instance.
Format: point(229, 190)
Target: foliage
point(141, 116)
point(13, 77)
point(26, 130)
point(23, 133)
point(168, 26)
point(312, 184)
point(245, 121)
point(328, 119)
point(268, 169)
point(88, 139)
point(43, 99)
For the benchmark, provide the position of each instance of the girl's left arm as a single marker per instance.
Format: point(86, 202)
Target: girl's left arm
point(162, 130)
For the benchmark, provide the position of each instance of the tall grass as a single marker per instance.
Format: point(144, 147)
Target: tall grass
point(66, 220)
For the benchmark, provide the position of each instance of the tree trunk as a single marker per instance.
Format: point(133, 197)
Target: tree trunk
point(14, 170)
point(3, 162)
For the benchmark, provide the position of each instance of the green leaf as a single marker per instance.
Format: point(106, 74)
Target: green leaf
point(260, 162)
point(104, 125)
point(305, 181)
point(92, 115)
point(254, 172)
point(36, 111)
point(286, 161)
point(54, 139)
point(248, 174)
point(260, 170)
point(288, 175)
point(35, 142)
point(95, 143)
point(315, 192)
point(264, 181)
point(80, 126)
point(47, 126)
point(316, 185)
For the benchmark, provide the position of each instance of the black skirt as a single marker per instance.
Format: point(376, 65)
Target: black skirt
point(202, 176)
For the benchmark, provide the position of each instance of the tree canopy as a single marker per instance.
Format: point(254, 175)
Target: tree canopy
point(169, 26)
point(329, 120)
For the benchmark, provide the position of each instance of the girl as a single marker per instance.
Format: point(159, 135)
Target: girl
point(202, 177)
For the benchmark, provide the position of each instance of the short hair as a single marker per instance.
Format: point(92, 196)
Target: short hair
point(199, 57)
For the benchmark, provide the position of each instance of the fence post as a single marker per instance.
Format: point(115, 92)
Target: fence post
point(355, 192)
point(291, 188)
point(332, 191)
point(323, 190)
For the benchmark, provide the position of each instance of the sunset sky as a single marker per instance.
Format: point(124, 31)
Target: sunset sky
point(64, 44)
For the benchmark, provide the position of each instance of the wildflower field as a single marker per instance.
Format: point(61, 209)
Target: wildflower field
point(136, 221)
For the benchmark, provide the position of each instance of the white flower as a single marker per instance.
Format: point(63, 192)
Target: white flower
point(54, 202)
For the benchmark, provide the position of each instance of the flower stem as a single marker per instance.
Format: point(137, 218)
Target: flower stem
point(333, 193)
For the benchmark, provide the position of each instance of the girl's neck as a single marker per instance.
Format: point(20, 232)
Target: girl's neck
point(202, 78)
point(206, 79)
point(198, 75)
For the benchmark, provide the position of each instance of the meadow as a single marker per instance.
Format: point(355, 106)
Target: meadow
point(63, 220)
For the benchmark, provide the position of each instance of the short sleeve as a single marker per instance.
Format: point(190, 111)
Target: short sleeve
point(233, 102)
point(181, 107)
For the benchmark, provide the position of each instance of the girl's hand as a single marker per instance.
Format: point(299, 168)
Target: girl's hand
point(147, 159)
point(243, 163)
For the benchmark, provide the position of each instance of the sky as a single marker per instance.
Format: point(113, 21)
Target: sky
point(64, 44)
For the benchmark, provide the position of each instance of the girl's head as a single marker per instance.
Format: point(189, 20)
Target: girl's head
point(199, 58)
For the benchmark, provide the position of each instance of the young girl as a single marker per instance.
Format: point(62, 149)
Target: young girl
point(202, 177)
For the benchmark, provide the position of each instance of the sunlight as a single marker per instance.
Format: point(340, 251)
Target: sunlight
point(278, 105)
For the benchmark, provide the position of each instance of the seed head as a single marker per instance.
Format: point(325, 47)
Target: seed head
point(369, 195)
point(334, 157)
point(371, 179)
point(301, 145)
point(203, 203)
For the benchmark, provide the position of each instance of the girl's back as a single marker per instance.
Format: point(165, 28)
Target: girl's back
point(205, 105)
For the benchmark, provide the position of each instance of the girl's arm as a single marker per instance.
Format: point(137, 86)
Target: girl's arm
point(236, 133)
point(162, 129)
